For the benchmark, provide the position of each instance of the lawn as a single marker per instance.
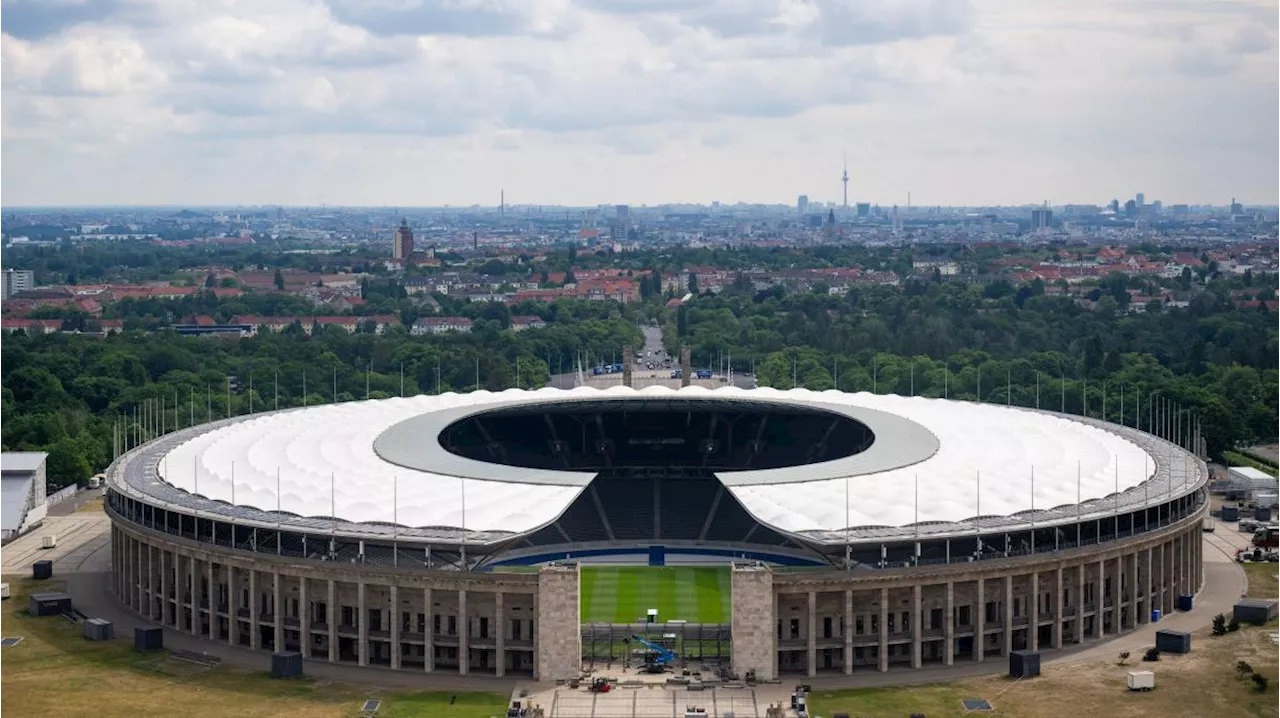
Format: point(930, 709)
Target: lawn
point(55, 672)
point(1263, 579)
point(1201, 683)
point(624, 594)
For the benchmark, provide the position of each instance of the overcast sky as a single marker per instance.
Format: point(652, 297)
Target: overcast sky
point(579, 102)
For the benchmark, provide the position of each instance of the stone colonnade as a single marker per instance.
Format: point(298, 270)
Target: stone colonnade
point(430, 621)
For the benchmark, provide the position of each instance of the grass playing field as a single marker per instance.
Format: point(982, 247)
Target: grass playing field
point(697, 594)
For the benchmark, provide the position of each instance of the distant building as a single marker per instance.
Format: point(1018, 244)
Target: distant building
point(520, 323)
point(402, 244)
point(1236, 208)
point(864, 209)
point(16, 280)
point(439, 325)
point(621, 223)
point(802, 204)
point(1041, 218)
point(22, 492)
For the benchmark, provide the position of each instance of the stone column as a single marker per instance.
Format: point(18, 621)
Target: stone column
point(362, 626)
point(150, 611)
point(193, 580)
point(1008, 615)
point(211, 600)
point(1148, 586)
point(255, 631)
point(1033, 623)
point(304, 619)
point(395, 627)
point(559, 633)
point(233, 620)
point(1160, 580)
point(1080, 601)
point(980, 623)
point(1116, 611)
point(882, 655)
point(915, 625)
point(848, 632)
point(811, 634)
point(464, 643)
point(331, 613)
point(500, 640)
point(1101, 608)
point(1059, 609)
point(277, 611)
point(429, 634)
point(949, 646)
point(164, 587)
point(1132, 562)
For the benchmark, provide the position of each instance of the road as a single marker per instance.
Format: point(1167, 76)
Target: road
point(641, 377)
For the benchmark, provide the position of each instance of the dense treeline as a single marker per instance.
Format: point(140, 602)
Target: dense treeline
point(1214, 359)
point(63, 393)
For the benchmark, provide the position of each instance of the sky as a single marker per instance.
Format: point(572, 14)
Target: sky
point(403, 103)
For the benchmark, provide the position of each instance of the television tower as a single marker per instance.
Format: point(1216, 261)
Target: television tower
point(845, 179)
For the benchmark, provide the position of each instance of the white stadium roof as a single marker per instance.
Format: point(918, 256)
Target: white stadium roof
point(324, 462)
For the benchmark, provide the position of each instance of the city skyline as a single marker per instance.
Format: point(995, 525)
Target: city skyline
point(595, 102)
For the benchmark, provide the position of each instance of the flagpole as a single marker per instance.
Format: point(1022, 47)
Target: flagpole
point(395, 519)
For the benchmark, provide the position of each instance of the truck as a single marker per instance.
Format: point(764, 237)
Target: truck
point(1141, 680)
point(1267, 536)
point(702, 374)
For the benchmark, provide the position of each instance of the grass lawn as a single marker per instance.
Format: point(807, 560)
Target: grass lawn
point(623, 594)
point(1201, 683)
point(1263, 579)
point(54, 672)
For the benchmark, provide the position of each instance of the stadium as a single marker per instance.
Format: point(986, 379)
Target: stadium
point(765, 532)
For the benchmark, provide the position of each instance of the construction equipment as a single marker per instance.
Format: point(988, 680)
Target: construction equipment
point(656, 658)
point(600, 685)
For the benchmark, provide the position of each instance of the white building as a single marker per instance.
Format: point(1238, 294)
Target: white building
point(22, 492)
point(16, 280)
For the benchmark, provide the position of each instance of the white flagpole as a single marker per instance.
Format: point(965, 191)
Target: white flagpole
point(1078, 529)
point(463, 543)
point(395, 519)
point(233, 483)
point(279, 516)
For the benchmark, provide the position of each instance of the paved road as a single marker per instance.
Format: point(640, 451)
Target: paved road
point(641, 378)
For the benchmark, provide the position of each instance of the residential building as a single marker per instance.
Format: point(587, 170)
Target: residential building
point(439, 325)
point(520, 323)
point(402, 244)
point(16, 280)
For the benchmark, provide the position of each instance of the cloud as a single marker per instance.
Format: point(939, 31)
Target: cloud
point(334, 92)
point(1251, 39)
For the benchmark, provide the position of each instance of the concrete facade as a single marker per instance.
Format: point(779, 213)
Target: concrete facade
point(559, 646)
point(430, 621)
point(838, 622)
point(753, 647)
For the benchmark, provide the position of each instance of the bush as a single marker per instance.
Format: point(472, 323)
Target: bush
point(1152, 654)
point(1243, 669)
point(1219, 625)
point(1260, 682)
point(1124, 657)
point(1233, 624)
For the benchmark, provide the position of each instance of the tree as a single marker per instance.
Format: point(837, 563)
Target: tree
point(693, 283)
point(1220, 628)
point(1243, 669)
point(66, 464)
point(279, 280)
point(1260, 682)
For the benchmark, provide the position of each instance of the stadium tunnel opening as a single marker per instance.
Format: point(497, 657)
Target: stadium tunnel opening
point(656, 463)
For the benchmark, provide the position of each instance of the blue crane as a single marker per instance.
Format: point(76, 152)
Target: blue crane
point(656, 658)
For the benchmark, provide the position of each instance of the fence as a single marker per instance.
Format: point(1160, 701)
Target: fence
point(61, 495)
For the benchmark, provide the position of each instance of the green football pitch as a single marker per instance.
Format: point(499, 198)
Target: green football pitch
point(624, 594)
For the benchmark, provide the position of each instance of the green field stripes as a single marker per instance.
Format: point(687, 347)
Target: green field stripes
point(623, 594)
